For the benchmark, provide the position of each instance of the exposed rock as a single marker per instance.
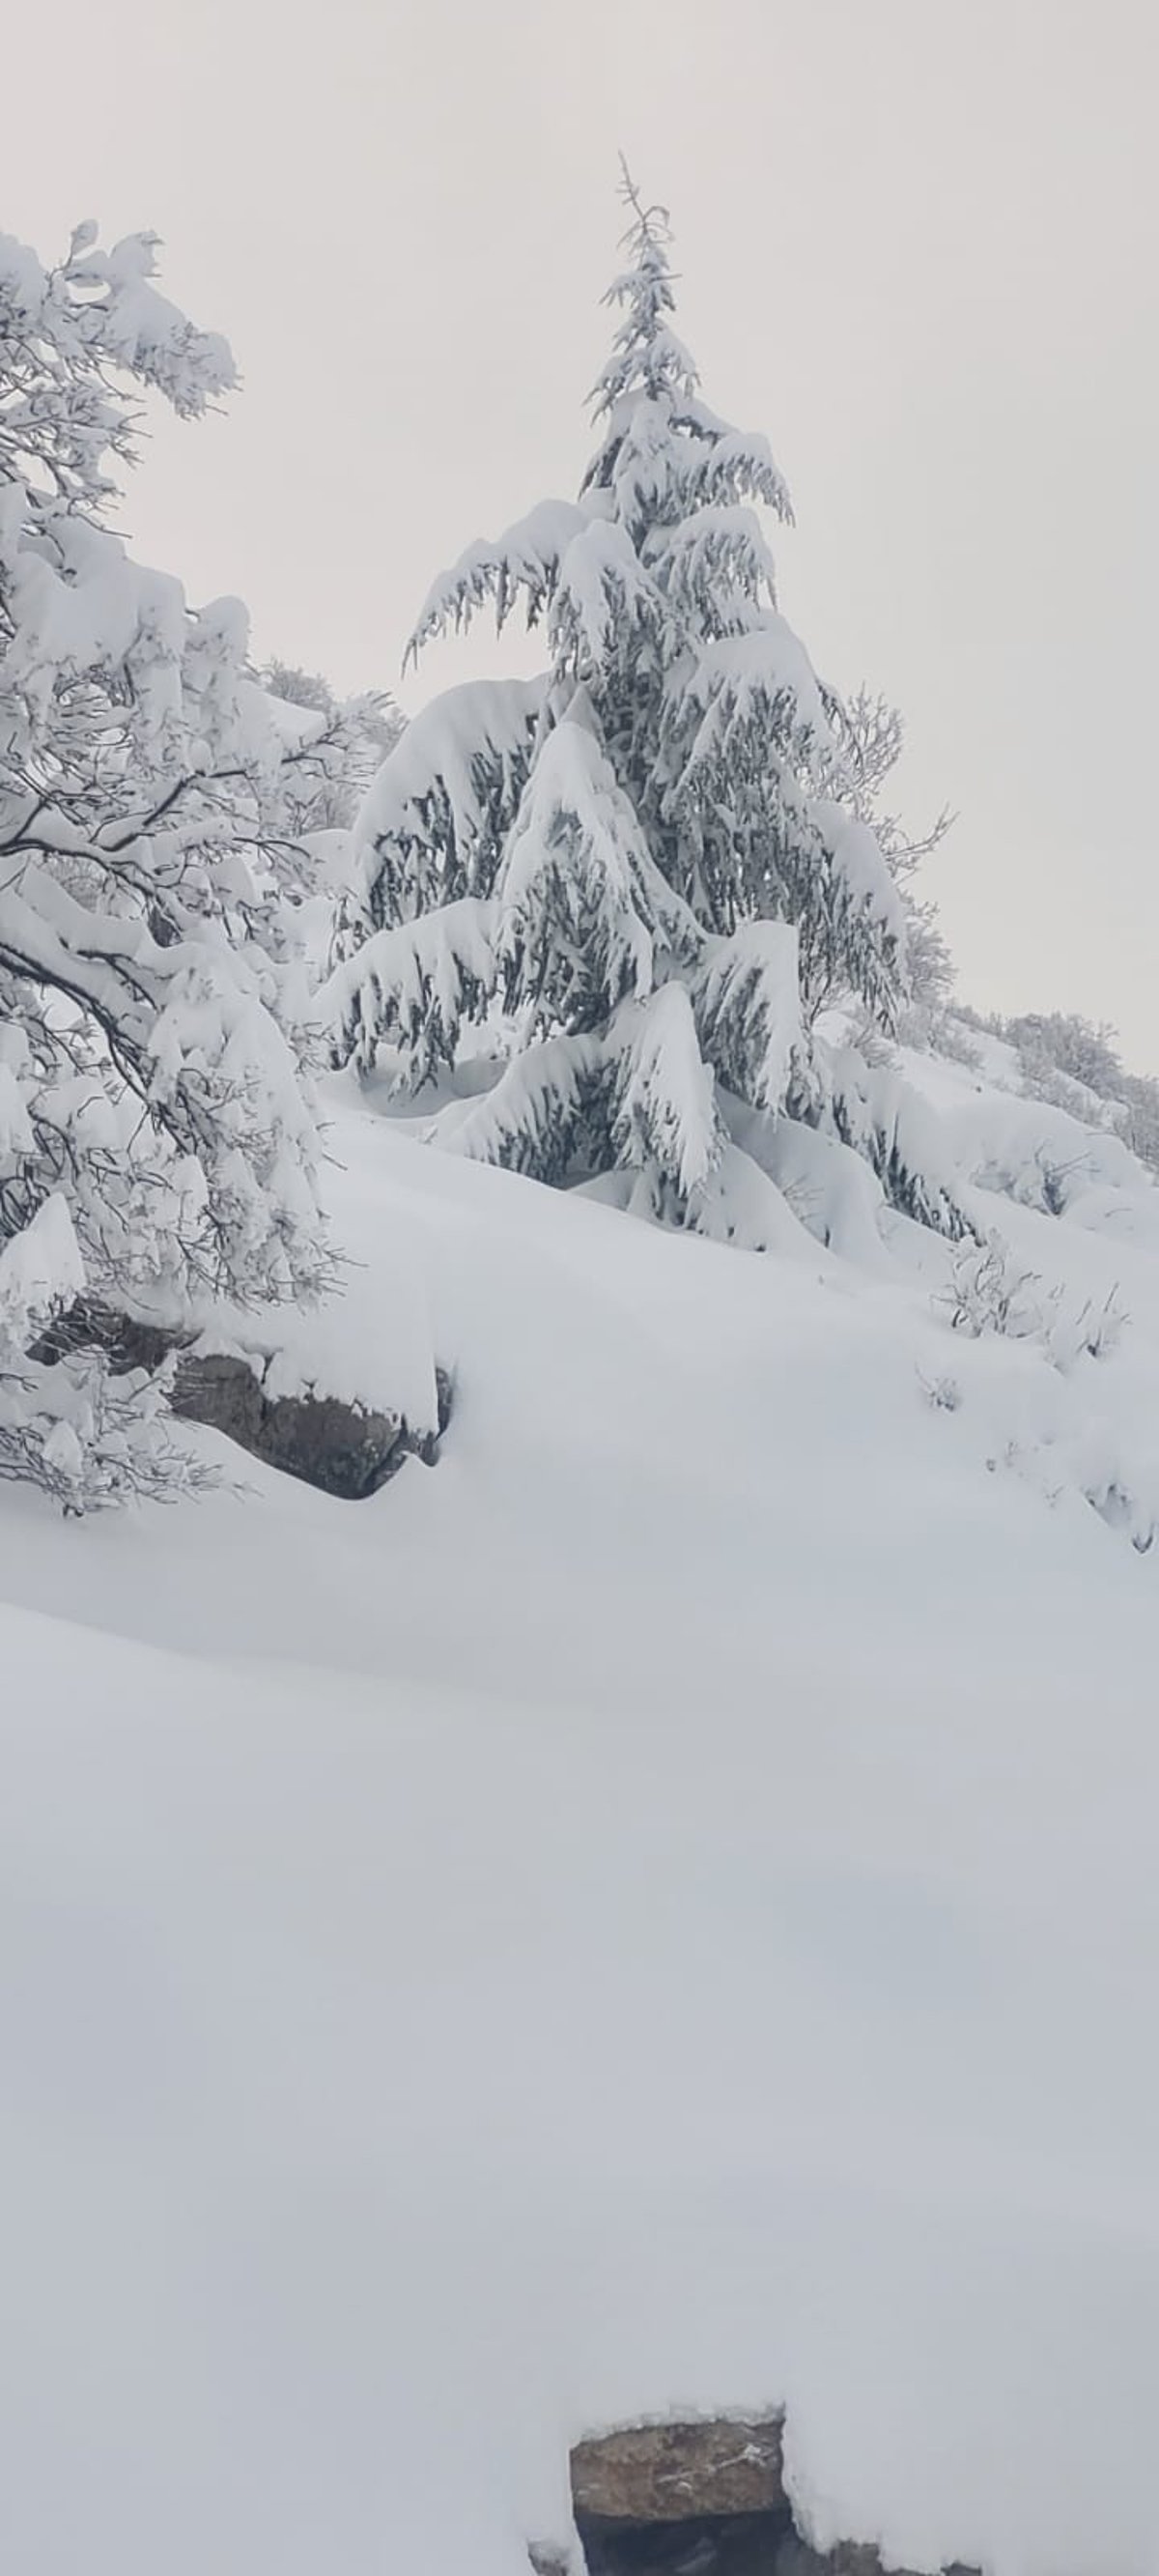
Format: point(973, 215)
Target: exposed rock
point(664, 2472)
point(732, 2544)
point(344, 1448)
point(701, 2499)
point(850, 2558)
point(704, 2499)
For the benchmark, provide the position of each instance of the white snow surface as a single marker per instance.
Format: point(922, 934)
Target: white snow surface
point(657, 1913)
point(40, 1268)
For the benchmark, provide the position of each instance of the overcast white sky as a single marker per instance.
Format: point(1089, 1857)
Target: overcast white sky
point(918, 245)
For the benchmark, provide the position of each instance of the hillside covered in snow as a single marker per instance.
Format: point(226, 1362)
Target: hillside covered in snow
point(657, 1911)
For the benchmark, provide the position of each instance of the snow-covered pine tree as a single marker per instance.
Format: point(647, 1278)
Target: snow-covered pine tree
point(650, 859)
point(155, 1141)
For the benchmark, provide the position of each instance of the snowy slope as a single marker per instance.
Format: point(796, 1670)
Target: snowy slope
point(659, 1911)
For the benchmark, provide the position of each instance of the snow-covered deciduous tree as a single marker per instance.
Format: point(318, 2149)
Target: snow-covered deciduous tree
point(872, 737)
point(649, 866)
point(355, 737)
point(1063, 1042)
point(155, 1139)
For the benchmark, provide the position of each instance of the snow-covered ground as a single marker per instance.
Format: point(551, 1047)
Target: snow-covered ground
point(658, 1912)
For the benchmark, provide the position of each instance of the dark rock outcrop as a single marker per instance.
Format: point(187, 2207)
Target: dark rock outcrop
point(344, 1448)
point(656, 2472)
point(699, 2499)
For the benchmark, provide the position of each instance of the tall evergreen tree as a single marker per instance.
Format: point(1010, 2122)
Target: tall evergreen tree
point(651, 859)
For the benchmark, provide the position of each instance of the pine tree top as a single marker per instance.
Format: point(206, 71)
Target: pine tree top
point(647, 357)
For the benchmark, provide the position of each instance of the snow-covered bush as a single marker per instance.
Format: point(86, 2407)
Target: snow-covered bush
point(942, 1392)
point(986, 1292)
point(653, 859)
point(154, 1135)
point(1122, 1510)
point(1042, 1416)
point(1090, 1331)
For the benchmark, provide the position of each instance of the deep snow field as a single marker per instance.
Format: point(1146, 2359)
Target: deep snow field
point(658, 1912)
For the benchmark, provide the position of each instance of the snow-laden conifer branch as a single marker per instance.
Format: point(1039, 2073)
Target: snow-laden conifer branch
point(666, 1121)
point(521, 565)
point(433, 823)
point(575, 923)
point(548, 1114)
point(747, 1000)
point(414, 985)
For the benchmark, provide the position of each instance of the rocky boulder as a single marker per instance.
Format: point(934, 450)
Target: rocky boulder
point(656, 2473)
point(344, 1448)
point(696, 2499)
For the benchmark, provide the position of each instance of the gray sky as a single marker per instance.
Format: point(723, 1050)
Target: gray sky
point(917, 241)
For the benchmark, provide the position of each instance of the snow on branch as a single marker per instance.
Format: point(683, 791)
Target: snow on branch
point(155, 1112)
point(714, 549)
point(647, 357)
point(62, 329)
point(858, 865)
point(415, 984)
point(665, 1113)
point(873, 1109)
point(41, 1268)
point(544, 1110)
point(573, 909)
point(602, 594)
point(140, 330)
point(747, 688)
point(444, 794)
point(524, 561)
point(731, 465)
point(747, 1000)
